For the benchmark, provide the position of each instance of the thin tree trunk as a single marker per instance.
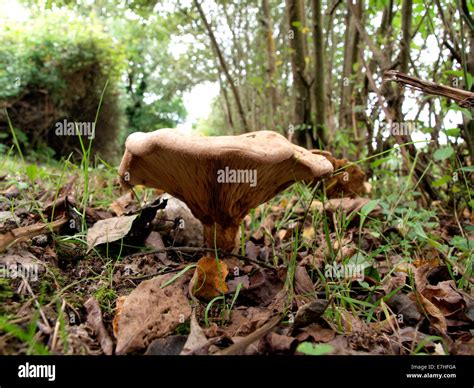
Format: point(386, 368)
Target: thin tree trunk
point(351, 41)
point(302, 110)
point(224, 66)
point(319, 74)
point(271, 57)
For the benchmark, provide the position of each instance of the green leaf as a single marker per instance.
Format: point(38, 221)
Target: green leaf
point(443, 153)
point(454, 132)
point(296, 24)
point(467, 168)
point(32, 171)
point(378, 162)
point(464, 111)
point(314, 349)
point(469, 81)
point(368, 207)
point(442, 181)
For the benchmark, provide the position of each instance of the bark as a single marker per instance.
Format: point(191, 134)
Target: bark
point(319, 74)
point(271, 56)
point(224, 67)
point(302, 109)
point(351, 41)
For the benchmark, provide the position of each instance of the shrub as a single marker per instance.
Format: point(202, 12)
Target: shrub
point(54, 68)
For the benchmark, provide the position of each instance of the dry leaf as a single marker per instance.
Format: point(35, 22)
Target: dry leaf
point(209, 278)
point(196, 338)
point(109, 230)
point(95, 322)
point(120, 205)
point(317, 332)
point(151, 312)
point(436, 317)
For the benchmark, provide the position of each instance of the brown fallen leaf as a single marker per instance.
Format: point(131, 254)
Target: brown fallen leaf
point(122, 204)
point(303, 286)
point(109, 230)
point(244, 321)
point(179, 223)
point(317, 332)
point(27, 232)
point(348, 179)
point(310, 312)
point(95, 322)
point(346, 205)
point(274, 343)
point(151, 312)
point(209, 278)
point(11, 192)
point(196, 339)
point(405, 308)
point(239, 347)
point(167, 346)
point(445, 296)
point(436, 317)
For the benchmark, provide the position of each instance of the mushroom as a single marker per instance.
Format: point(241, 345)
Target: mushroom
point(220, 178)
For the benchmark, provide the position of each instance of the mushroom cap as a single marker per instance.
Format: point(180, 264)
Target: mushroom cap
point(188, 166)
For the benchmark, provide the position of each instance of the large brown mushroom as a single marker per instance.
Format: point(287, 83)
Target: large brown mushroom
point(219, 178)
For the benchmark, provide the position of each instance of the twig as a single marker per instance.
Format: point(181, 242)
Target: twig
point(197, 249)
point(240, 346)
point(38, 306)
point(463, 97)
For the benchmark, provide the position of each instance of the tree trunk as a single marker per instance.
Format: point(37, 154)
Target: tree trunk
point(302, 110)
point(351, 42)
point(271, 57)
point(319, 74)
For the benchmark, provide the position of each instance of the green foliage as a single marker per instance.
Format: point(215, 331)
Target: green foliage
point(58, 63)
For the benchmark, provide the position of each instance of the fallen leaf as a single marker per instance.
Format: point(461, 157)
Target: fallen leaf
point(95, 322)
point(168, 346)
point(122, 204)
point(11, 192)
point(303, 285)
point(351, 205)
point(310, 312)
point(20, 263)
point(445, 296)
point(317, 332)
point(177, 222)
point(436, 317)
point(405, 308)
point(109, 230)
point(264, 286)
point(151, 312)
point(274, 343)
point(245, 320)
point(209, 278)
point(196, 338)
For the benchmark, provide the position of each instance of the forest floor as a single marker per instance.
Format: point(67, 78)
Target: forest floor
point(383, 275)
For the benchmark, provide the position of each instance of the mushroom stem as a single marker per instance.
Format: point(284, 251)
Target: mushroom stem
point(222, 237)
